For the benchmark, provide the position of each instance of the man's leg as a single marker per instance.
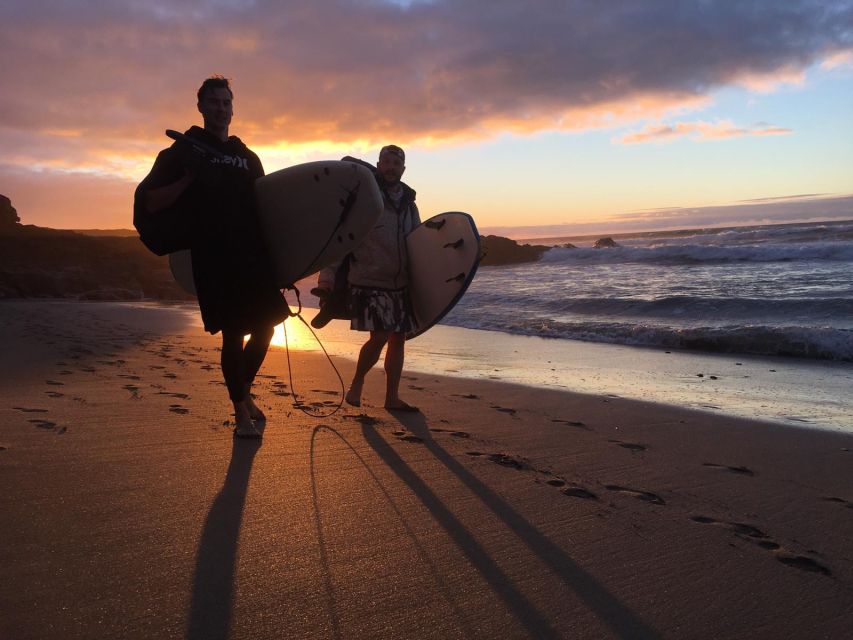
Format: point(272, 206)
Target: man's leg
point(394, 371)
point(234, 372)
point(253, 357)
point(367, 357)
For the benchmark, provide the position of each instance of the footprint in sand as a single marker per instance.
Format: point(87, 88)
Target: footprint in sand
point(176, 408)
point(172, 394)
point(579, 492)
point(846, 503)
point(506, 460)
point(758, 537)
point(630, 445)
point(572, 423)
point(28, 410)
point(455, 434)
point(645, 496)
point(744, 471)
point(416, 388)
point(54, 394)
point(170, 375)
point(47, 424)
point(467, 396)
point(134, 391)
point(405, 436)
point(511, 412)
point(54, 383)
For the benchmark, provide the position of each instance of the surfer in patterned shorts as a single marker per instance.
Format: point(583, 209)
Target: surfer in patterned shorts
point(378, 281)
point(231, 269)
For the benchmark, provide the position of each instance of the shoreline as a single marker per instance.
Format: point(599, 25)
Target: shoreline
point(811, 394)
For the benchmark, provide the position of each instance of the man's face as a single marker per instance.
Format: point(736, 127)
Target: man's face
point(216, 108)
point(390, 167)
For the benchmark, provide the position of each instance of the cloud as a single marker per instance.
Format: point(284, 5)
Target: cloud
point(441, 70)
point(89, 86)
point(701, 131)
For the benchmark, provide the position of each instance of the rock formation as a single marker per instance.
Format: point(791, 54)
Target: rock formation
point(498, 250)
point(8, 214)
point(605, 243)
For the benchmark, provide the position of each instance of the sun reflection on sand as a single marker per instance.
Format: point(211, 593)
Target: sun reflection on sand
point(299, 338)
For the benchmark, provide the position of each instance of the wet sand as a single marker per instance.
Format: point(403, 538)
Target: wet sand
point(129, 511)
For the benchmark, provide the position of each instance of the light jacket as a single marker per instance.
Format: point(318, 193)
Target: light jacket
point(381, 260)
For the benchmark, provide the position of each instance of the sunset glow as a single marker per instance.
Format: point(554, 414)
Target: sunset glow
point(566, 115)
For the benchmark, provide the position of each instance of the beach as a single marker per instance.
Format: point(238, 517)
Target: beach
point(510, 507)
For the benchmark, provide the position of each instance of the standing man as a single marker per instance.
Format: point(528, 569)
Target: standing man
point(378, 282)
point(236, 292)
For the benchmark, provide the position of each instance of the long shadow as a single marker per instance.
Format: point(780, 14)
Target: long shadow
point(525, 611)
point(321, 540)
point(619, 618)
point(213, 582)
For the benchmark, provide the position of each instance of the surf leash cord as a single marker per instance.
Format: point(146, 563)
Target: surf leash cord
point(296, 401)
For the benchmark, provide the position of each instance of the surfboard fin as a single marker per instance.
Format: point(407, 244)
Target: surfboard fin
point(455, 245)
point(458, 278)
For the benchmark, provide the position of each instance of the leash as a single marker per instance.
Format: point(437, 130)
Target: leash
point(296, 401)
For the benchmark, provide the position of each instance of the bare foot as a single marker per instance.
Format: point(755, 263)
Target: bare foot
point(255, 412)
point(245, 427)
point(353, 396)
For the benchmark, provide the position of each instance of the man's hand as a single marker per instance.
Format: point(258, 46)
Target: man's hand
point(322, 294)
point(197, 164)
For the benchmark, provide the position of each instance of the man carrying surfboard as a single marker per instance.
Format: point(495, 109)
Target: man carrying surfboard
point(207, 178)
point(378, 279)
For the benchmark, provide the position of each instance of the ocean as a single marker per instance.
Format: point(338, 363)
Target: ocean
point(772, 290)
point(755, 322)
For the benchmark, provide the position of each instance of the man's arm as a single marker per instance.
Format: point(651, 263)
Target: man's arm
point(163, 197)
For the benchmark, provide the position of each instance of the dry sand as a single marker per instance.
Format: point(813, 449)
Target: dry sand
point(129, 511)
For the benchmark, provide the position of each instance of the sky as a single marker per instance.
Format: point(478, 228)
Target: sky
point(556, 116)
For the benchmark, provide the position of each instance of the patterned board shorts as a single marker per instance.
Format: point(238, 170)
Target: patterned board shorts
point(381, 310)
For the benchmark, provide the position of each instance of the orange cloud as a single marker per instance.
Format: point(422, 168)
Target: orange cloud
point(700, 131)
point(91, 86)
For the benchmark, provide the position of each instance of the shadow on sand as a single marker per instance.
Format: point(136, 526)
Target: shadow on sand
point(331, 605)
point(623, 622)
point(213, 582)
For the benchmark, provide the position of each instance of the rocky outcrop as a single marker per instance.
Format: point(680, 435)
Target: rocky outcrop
point(47, 263)
point(8, 214)
point(498, 250)
point(605, 243)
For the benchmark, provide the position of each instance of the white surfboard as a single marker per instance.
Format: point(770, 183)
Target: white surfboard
point(444, 253)
point(311, 215)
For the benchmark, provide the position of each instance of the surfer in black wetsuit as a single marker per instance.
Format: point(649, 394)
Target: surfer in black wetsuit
point(378, 281)
point(236, 292)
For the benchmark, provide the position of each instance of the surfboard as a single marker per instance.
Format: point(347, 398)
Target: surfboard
point(444, 253)
point(311, 216)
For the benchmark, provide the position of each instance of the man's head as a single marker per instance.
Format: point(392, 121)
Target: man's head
point(215, 103)
point(392, 163)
